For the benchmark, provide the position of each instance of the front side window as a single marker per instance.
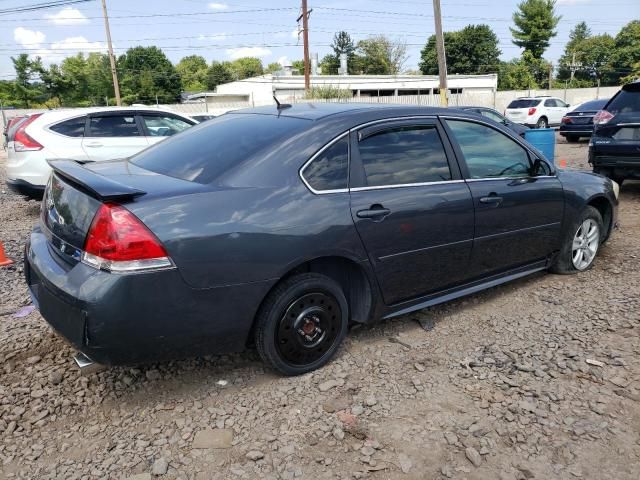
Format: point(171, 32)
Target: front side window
point(163, 125)
point(489, 153)
point(113, 126)
point(329, 170)
point(70, 128)
point(404, 155)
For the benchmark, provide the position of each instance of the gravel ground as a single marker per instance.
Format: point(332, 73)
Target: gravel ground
point(536, 379)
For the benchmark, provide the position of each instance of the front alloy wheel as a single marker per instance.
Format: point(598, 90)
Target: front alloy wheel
point(586, 242)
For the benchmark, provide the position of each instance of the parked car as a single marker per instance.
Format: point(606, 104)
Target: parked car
point(497, 117)
point(280, 227)
point(87, 135)
point(538, 112)
point(202, 117)
point(578, 122)
point(614, 148)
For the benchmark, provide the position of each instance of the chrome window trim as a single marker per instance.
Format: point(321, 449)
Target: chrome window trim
point(402, 185)
point(487, 179)
point(315, 155)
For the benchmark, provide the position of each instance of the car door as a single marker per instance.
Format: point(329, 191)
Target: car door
point(518, 202)
point(551, 111)
point(410, 206)
point(112, 135)
point(158, 126)
point(562, 107)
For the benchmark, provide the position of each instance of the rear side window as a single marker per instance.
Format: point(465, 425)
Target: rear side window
point(113, 126)
point(329, 170)
point(404, 155)
point(624, 102)
point(523, 103)
point(489, 153)
point(207, 151)
point(70, 128)
point(163, 125)
point(550, 103)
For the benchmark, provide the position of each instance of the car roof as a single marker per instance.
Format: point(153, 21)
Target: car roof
point(63, 113)
point(317, 111)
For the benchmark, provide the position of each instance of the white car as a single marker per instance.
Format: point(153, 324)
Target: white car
point(538, 112)
point(84, 134)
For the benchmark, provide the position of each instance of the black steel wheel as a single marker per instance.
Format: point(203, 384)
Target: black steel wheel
point(302, 323)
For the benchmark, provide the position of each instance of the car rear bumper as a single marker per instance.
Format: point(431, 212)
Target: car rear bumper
point(137, 318)
point(22, 187)
point(620, 163)
point(575, 130)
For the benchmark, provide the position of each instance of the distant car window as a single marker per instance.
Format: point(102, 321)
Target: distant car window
point(496, 117)
point(489, 153)
point(70, 128)
point(522, 103)
point(113, 126)
point(329, 170)
point(624, 102)
point(404, 155)
point(164, 125)
point(550, 103)
point(207, 151)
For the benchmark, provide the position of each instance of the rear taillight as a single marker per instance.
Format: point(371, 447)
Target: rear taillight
point(23, 142)
point(566, 120)
point(532, 111)
point(602, 117)
point(119, 242)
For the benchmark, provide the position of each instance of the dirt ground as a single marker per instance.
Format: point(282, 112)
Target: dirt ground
point(536, 379)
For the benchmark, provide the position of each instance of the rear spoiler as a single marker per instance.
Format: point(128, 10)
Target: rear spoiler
point(96, 185)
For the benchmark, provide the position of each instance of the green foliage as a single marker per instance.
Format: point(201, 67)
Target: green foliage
point(328, 91)
point(218, 73)
point(474, 49)
point(25, 87)
point(378, 55)
point(342, 43)
point(536, 24)
point(298, 67)
point(193, 73)
point(516, 75)
point(246, 67)
point(273, 68)
point(626, 53)
point(146, 72)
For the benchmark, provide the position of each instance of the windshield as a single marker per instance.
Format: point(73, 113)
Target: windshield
point(593, 105)
point(205, 152)
point(521, 103)
point(625, 102)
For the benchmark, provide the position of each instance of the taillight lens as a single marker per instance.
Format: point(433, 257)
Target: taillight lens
point(119, 242)
point(23, 142)
point(566, 120)
point(602, 117)
point(532, 111)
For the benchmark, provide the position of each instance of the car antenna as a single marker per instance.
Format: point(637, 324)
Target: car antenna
point(281, 106)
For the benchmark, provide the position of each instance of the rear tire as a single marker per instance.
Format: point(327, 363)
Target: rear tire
point(542, 122)
point(302, 323)
point(581, 243)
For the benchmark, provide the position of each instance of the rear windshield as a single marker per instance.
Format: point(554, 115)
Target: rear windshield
point(593, 105)
point(523, 103)
point(625, 102)
point(205, 152)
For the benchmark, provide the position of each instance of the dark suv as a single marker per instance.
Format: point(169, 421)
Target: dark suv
point(614, 149)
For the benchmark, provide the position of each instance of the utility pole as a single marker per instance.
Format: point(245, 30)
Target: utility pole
point(305, 39)
point(112, 60)
point(442, 60)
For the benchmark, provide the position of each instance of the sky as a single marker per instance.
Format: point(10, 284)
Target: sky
point(229, 29)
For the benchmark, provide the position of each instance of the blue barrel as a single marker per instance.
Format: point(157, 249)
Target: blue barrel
point(544, 139)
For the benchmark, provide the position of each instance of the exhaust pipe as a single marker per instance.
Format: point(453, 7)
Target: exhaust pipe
point(86, 365)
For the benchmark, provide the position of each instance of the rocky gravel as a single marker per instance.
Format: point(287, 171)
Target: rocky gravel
point(536, 379)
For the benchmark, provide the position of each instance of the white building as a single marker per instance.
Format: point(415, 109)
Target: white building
point(260, 90)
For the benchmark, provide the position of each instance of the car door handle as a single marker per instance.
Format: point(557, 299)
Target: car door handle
point(94, 144)
point(376, 212)
point(491, 199)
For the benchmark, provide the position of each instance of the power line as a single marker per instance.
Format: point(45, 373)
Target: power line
point(40, 6)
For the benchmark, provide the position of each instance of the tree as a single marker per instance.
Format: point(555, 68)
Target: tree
point(474, 49)
point(25, 86)
point(246, 67)
point(298, 67)
point(516, 75)
point(146, 74)
point(595, 57)
point(100, 81)
point(342, 44)
point(273, 68)
point(536, 24)
point(193, 73)
point(572, 50)
point(380, 56)
point(219, 73)
point(626, 53)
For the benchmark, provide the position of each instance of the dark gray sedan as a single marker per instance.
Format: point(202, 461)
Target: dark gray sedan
point(280, 227)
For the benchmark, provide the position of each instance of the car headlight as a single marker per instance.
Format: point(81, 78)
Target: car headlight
point(616, 188)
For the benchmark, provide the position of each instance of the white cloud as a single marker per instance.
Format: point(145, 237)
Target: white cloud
point(214, 36)
point(218, 6)
point(28, 38)
point(259, 52)
point(69, 47)
point(68, 16)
